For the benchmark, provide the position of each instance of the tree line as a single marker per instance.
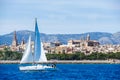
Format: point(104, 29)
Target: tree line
point(82, 56)
point(12, 55)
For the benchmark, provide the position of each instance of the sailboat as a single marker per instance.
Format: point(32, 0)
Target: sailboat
point(37, 56)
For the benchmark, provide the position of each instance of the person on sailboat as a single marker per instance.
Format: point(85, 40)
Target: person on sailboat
point(54, 65)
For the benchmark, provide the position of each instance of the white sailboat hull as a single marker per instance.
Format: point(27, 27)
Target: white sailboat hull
point(36, 68)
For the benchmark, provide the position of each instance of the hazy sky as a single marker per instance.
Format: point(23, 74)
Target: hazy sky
point(60, 16)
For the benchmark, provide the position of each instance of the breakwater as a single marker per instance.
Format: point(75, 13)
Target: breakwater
point(66, 62)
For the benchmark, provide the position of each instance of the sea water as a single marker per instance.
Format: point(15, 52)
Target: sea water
point(63, 72)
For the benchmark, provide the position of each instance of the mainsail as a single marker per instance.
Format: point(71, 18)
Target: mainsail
point(39, 53)
point(37, 43)
point(27, 56)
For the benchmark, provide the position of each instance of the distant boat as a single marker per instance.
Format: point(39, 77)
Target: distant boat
point(37, 56)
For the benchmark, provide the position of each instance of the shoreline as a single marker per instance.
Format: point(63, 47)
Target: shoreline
point(66, 62)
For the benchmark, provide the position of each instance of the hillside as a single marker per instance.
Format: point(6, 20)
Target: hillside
point(102, 37)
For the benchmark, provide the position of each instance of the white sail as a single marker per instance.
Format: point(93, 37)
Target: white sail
point(27, 56)
point(42, 56)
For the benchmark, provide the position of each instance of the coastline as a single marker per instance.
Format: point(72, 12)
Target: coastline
point(66, 62)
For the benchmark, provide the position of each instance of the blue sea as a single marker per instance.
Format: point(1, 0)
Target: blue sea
point(63, 72)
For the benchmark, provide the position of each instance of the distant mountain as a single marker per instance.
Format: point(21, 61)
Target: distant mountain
point(102, 37)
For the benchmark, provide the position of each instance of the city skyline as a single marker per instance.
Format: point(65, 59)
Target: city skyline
point(62, 16)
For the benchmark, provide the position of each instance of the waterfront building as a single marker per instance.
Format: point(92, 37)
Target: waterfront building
point(50, 47)
point(22, 46)
point(84, 45)
point(63, 49)
point(2, 47)
point(51, 44)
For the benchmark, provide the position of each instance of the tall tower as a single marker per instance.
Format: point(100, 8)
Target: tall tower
point(88, 37)
point(14, 42)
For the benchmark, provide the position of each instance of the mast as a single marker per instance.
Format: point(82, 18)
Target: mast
point(33, 58)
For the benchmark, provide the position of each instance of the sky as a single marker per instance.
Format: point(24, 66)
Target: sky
point(60, 16)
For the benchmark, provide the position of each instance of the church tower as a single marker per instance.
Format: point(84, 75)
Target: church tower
point(14, 42)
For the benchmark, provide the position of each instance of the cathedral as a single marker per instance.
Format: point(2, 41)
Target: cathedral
point(15, 46)
point(84, 42)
